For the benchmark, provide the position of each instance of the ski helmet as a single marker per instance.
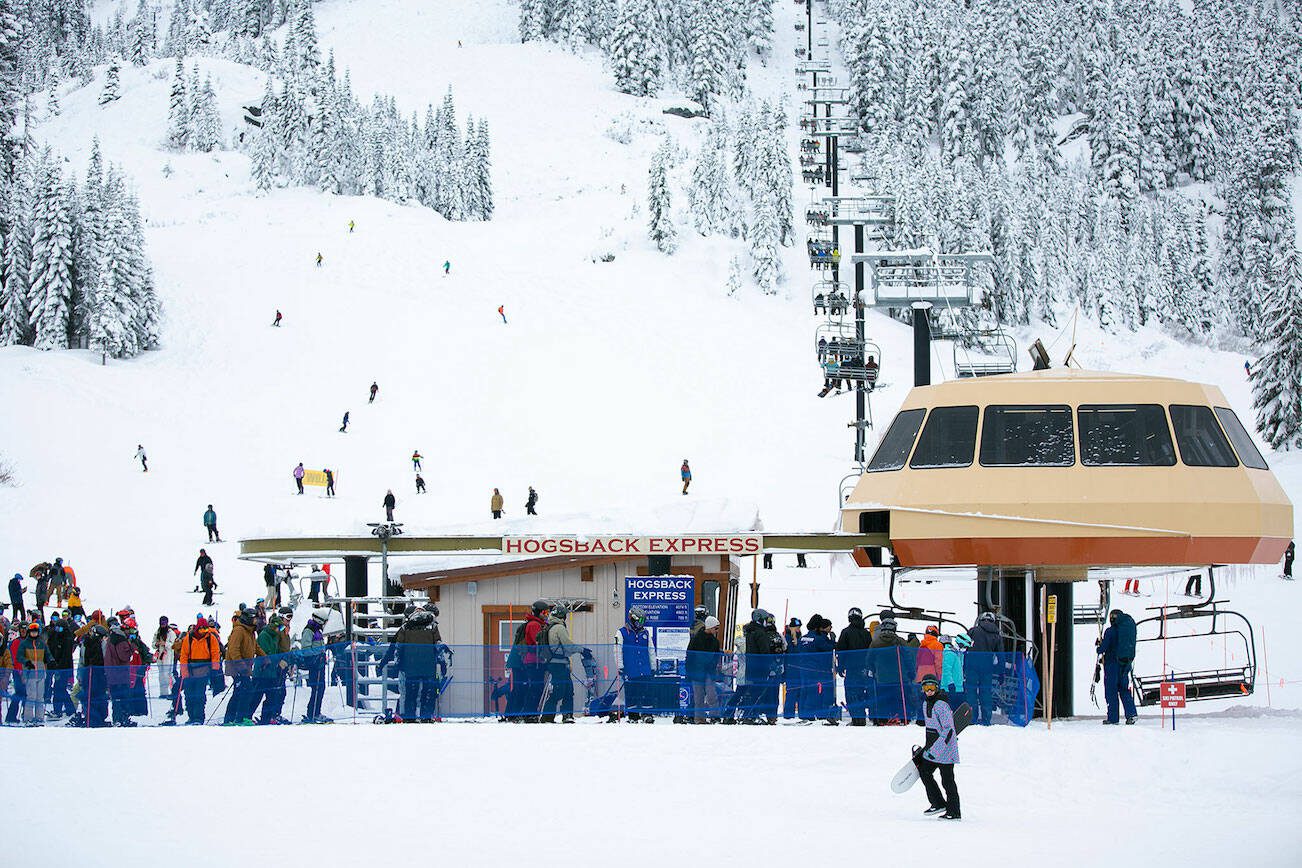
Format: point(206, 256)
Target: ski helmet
point(930, 678)
point(757, 617)
point(987, 616)
point(560, 610)
point(432, 609)
point(795, 622)
point(963, 640)
point(933, 630)
point(540, 606)
point(700, 613)
point(636, 617)
point(855, 613)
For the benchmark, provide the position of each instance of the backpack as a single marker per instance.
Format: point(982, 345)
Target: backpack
point(544, 647)
point(518, 639)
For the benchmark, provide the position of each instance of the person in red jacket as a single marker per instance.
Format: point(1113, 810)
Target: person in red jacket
point(535, 668)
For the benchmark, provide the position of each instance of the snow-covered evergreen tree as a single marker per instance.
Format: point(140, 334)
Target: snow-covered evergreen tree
point(205, 133)
point(636, 50)
point(178, 114)
point(766, 260)
point(112, 83)
point(661, 225)
point(1277, 375)
point(709, 193)
point(50, 272)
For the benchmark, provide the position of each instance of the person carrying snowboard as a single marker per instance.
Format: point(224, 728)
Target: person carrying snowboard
point(389, 503)
point(941, 752)
point(210, 523)
point(420, 484)
point(299, 473)
point(375, 388)
point(142, 458)
point(686, 472)
point(277, 320)
point(531, 502)
point(415, 460)
point(343, 429)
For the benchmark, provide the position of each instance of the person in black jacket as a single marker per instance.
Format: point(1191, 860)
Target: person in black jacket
point(419, 650)
point(979, 665)
point(389, 503)
point(891, 664)
point(59, 641)
point(852, 665)
point(95, 689)
point(207, 584)
point(703, 658)
point(531, 502)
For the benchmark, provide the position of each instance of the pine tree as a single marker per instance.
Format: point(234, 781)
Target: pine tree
point(734, 277)
point(111, 83)
point(708, 193)
point(766, 262)
point(658, 201)
point(761, 27)
point(178, 115)
point(482, 173)
point(50, 273)
point(532, 17)
point(710, 52)
point(178, 30)
point(11, 42)
point(52, 97)
point(206, 130)
point(1277, 375)
point(635, 49)
point(141, 35)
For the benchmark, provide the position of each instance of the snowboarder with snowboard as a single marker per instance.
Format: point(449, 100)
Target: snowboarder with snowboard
point(501, 311)
point(210, 523)
point(142, 458)
point(941, 752)
point(375, 389)
point(276, 322)
point(343, 429)
point(207, 584)
point(420, 484)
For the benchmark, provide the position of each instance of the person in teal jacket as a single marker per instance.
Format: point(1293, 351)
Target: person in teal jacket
point(951, 675)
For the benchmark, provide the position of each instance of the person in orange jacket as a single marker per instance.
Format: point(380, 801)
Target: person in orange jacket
point(200, 658)
point(931, 654)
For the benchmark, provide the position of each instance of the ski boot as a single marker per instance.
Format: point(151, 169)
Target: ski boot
point(567, 718)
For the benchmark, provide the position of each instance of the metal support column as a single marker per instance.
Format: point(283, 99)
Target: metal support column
point(355, 577)
point(1063, 647)
point(921, 343)
point(860, 335)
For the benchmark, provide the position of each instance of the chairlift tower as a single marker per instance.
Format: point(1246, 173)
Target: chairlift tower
point(921, 279)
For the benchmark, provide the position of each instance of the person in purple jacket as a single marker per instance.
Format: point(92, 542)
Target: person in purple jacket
point(941, 751)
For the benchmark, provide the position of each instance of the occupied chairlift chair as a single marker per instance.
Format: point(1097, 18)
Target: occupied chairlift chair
point(823, 254)
point(832, 297)
point(843, 357)
point(1228, 681)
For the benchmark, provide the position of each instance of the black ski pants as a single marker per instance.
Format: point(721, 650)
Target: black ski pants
point(213, 533)
point(561, 696)
point(195, 690)
point(949, 800)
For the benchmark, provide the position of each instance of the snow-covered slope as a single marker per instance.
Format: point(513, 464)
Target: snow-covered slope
point(606, 376)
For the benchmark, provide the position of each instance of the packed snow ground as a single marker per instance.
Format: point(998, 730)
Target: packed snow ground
point(606, 377)
point(1217, 790)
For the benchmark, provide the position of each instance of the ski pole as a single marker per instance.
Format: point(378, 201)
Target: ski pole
point(218, 707)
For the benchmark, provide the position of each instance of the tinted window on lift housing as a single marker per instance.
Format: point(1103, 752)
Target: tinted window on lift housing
point(1201, 441)
point(948, 439)
point(895, 446)
point(1124, 435)
point(1025, 435)
point(1243, 444)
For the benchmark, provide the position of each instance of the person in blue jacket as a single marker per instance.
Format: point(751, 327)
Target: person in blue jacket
point(979, 666)
point(636, 655)
point(941, 752)
point(1117, 648)
point(818, 684)
point(951, 677)
point(791, 677)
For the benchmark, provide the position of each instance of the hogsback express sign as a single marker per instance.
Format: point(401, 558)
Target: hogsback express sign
point(635, 546)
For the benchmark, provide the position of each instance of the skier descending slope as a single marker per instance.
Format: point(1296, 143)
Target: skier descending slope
point(375, 390)
point(142, 458)
point(501, 311)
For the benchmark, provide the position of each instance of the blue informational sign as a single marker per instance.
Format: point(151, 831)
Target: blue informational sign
point(668, 602)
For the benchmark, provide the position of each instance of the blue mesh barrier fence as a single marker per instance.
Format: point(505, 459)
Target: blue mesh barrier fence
point(362, 681)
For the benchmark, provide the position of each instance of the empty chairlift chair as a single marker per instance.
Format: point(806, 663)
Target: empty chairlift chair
point(984, 353)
